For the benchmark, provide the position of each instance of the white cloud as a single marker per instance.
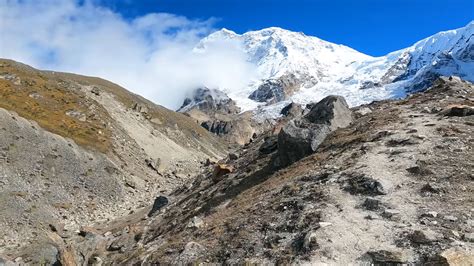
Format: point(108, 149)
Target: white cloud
point(150, 55)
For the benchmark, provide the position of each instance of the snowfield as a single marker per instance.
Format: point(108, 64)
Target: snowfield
point(326, 68)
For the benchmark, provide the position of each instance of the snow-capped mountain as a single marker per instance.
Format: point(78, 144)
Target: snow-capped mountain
point(295, 67)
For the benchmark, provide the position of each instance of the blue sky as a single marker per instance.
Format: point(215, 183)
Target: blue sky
point(375, 27)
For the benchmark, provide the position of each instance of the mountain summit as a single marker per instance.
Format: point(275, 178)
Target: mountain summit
point(295, 67)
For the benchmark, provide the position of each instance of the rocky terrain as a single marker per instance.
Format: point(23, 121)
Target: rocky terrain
point(78, 150)
point(220, 115)
point(387, 183)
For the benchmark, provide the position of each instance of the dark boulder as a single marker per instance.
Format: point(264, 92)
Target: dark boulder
point(160, 202)
point(292, 110)
point(372, 204)
point(299, 139)
point(361, 184)
point(332, 111)
point(270, 144)
point(302, 136)
point(388, 257)
point(217, 127)
point(459, 110)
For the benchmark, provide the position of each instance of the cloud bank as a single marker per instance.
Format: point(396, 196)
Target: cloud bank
point(151, 55)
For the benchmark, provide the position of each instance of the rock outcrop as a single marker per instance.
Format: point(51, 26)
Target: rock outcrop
point(209, 101)
point(302, 136)
point(217, 113)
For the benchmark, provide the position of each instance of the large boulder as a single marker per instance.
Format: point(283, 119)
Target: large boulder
point(158, 204)
point(332, 111)
point(302, 136)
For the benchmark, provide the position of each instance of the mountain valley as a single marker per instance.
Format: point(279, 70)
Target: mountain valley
point(329, 157)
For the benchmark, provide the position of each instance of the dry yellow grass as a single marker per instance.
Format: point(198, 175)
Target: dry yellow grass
point(47, 100)
point(46, 97)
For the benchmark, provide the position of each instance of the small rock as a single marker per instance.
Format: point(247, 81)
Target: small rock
point(455, 233)
point(159, 203)
point(400, 142)
point(87, 231)
point(421, 137)
point(388, 257)
point(77, 115)
point(390, 213)
point(141, 108)
point(430, 214)
point(470, 222)
point(221, 170)
point(233, 156)
point(436, 109)
point(450, 218)
point(191, 253)
point(372, 217)
point(424, 236)
point(420, 169)
point(430, 189)
point(196, 222)
point(95, 261)
point(209, 162)
point(95, 90)
point(469, 237)
point(324, 224)
point(310, 241)
point(363, 111)
point(372, 204)
point(365, 185)
point(292, 110)
point(153, 164)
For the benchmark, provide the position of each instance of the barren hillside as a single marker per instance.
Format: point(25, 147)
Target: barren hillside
point(76, 150)
point(393, 187)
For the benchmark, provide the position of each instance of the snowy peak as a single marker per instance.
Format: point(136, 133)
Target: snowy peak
point(278, 52)
point(318, 68)
point(448, 41)
point(443, 54)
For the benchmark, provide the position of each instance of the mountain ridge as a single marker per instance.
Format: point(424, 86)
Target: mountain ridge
point(324, 68)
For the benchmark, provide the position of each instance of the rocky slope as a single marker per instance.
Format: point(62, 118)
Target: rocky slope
point(77, 150)
point(217, 113)
point(390, 182)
